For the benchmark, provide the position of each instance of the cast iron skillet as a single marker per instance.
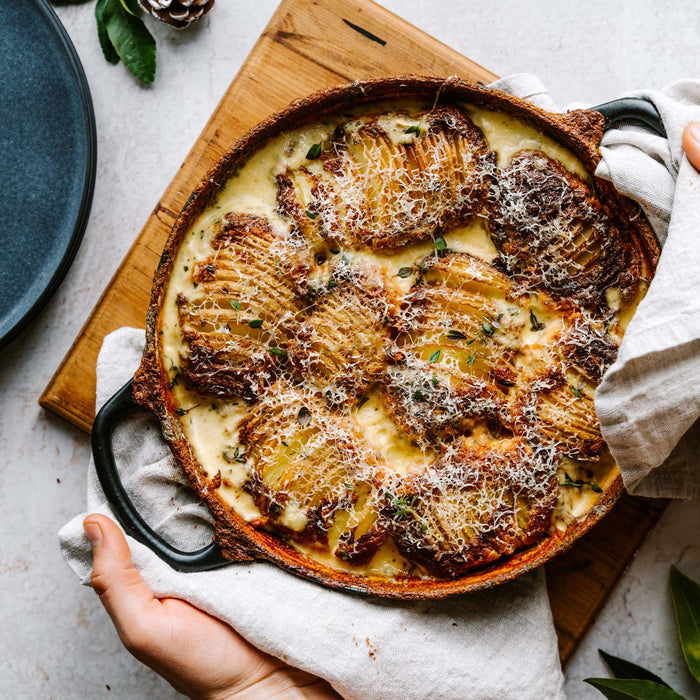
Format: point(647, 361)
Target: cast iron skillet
point(123, 403)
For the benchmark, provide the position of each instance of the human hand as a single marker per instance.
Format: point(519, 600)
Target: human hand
point(197, 654)
point(691, 143)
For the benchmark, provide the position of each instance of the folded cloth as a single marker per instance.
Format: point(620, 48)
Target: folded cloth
point(493, 644)
point(648, 404)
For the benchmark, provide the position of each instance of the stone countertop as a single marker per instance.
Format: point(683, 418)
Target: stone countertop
point(56, 639)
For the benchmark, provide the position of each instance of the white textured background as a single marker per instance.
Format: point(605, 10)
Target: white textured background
point(55, 639)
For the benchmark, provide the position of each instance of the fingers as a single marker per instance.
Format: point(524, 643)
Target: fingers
point(124, 594)
point(691, 144)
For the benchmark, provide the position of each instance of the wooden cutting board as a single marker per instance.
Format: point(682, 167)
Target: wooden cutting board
point(305, 47)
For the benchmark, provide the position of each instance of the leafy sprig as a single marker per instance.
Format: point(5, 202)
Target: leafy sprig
point(123, 35)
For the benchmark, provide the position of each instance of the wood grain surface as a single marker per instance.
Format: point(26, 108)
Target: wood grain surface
point(305, 47)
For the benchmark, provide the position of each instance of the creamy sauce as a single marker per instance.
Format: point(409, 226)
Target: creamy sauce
point(211, 426)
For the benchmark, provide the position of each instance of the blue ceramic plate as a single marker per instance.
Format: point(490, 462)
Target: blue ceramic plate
point(47, 158)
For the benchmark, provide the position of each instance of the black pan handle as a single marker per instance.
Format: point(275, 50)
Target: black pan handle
point(121, 404)
point(631, 108)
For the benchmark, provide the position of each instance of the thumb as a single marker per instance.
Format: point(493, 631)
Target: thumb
point(691, 143)
point(124, 594)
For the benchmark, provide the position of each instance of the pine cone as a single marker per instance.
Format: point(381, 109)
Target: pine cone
point(178, 13)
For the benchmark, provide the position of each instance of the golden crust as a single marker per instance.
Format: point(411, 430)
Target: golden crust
point(453, 315)
point(385, 194)
point(433, 405)
point(555, 234)
point(475, 505)
point(341, 345)
point(310, 475)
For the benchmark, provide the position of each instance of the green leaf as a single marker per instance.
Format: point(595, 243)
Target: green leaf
point(131, 6)
point(535, 324)
point(314, 152)
point(404, 272)
point(621, 668)
point(434, 356)
point(577, 392)
point(255, 323)
point(454, 334)
point(236, 305)
point(686, 602)
point(415, 129)
point(278, 351)
point(440, 244)
point(107, 49)
point(471, 358)
point(130, 39)
point(624, 689)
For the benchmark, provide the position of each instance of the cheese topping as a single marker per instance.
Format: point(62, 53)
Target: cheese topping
point(489, 379)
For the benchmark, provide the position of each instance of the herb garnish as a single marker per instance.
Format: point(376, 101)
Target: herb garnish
point(535, 324)
point(404, 272)
point(185, 411)
point(310, 214)
point(453, 334)
point(124, 36)
point(576, 392)
point(440, 246)
point(471, 358)
point(314, 152)
point(434, 380)
point(487, 328)
point(238, 455)
point(236, 305)
point(255, 323)
point(579, 483)
point(403, 506)
point(415, 129)
point(277, 351)
point(434, 356)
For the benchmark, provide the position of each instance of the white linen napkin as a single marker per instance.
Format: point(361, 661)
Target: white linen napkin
point(493, 644)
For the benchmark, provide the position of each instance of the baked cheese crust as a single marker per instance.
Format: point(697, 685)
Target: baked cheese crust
point(385, 335)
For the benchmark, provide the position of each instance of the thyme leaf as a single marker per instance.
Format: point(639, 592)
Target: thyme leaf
point(314, 152)
point(535, 324)
point(453, 334)
point(440, 246)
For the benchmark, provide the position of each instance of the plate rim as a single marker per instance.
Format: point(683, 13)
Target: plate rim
point(88, 175)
